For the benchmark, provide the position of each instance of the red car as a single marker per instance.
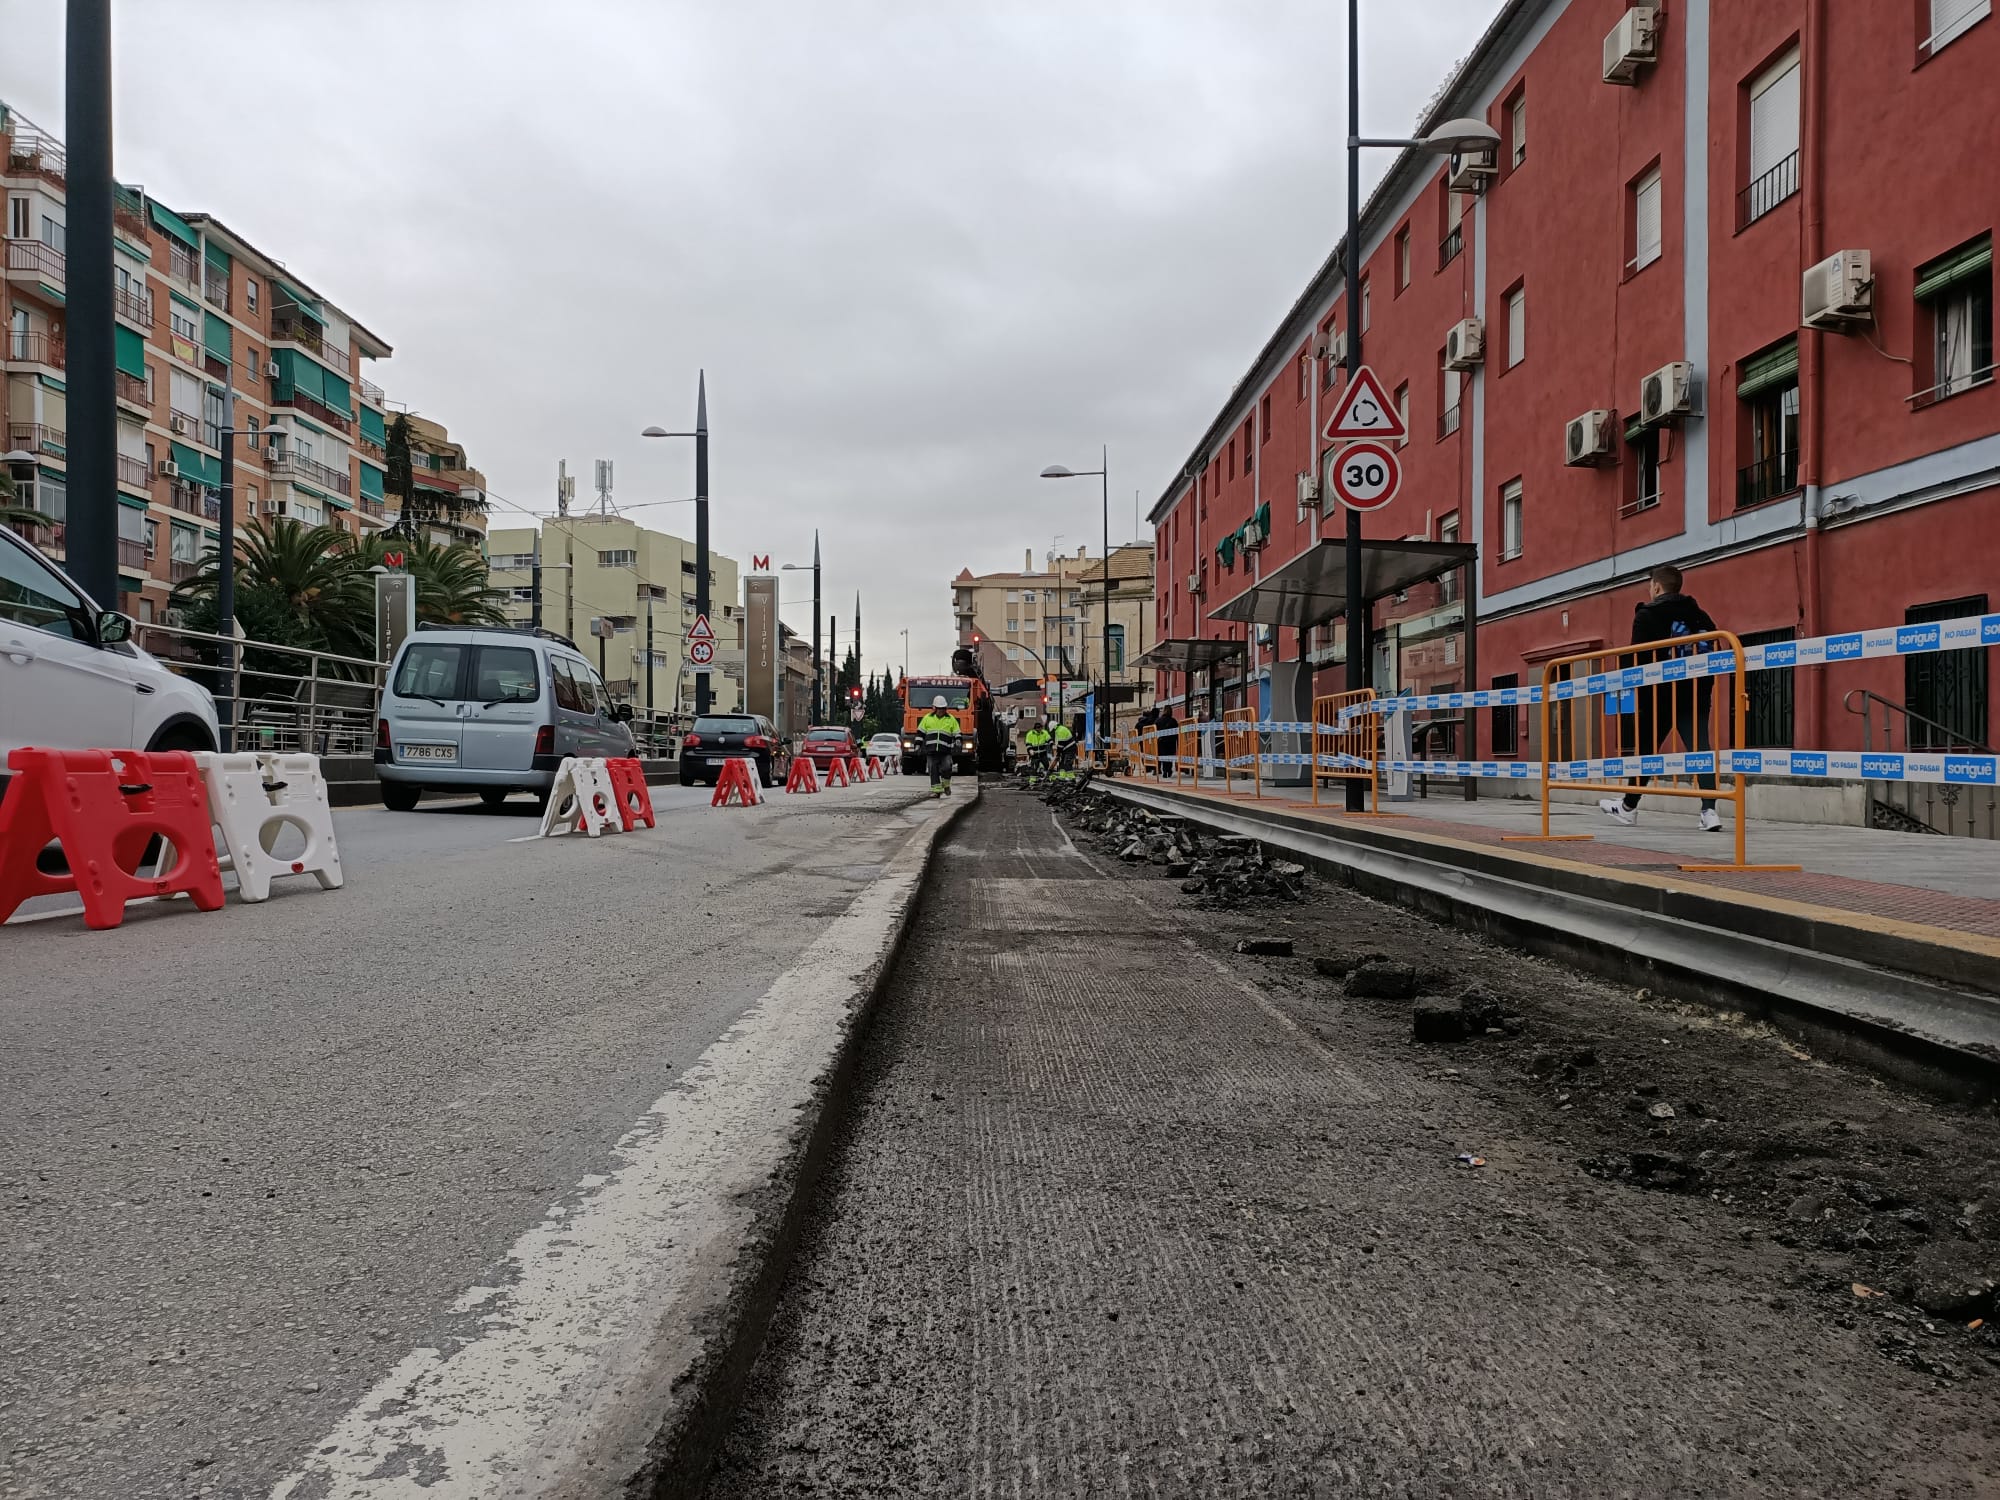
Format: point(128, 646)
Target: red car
point(826, 745)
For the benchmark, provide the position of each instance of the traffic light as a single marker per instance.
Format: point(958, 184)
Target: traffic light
point(854, 694)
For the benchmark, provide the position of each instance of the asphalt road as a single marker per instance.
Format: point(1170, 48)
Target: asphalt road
point(249, 1159)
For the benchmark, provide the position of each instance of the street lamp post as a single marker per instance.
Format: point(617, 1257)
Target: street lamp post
point(1450, 137)
point(1103, 472)
point(813, 568)
point(905, 632)
point(701, 601)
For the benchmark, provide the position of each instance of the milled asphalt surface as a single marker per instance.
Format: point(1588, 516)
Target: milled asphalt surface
point(1119, 1212)
point(249, 1158)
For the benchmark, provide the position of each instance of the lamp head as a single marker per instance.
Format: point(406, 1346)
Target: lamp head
point(1058, 471)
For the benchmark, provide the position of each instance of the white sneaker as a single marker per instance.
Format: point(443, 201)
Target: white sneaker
point(1615, 809)
point(1711, 820)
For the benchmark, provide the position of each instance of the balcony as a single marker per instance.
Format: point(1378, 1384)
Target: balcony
point(133, 307)
point(289, 465)
point(1448, 421)
point(1767, 479)
point(35, 438)
point(369, 446)
point(372, 393)
point(31, 153)
point(184, 495)
point(290, 328)
point(1450, 247)
point(128, 212)
point(131, 555)
point(1767, 192)
point(37, 349)
point(131, 390)
point(318, 410)
point(33, 258)
point(183, 570)
point(370, 508)
point(51, 539)
point(215, 287)
point(183, 264)
point(132, 473)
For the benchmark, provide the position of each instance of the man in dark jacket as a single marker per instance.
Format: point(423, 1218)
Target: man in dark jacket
point(1684, 709)
point(1170, 739)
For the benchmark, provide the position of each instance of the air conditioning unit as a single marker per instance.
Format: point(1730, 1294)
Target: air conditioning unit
point(1587, 442)
point(1194, 583)
point(1470, 170)
point(1253, 537)
point(169, 469)
point(1331, 345)
point(274, 507)
point(271, 370)
point(1465, 345)
point(1631, 44)
point(1839, 293)
point(1308, 491)
point(177, 423)
point(1670, 391)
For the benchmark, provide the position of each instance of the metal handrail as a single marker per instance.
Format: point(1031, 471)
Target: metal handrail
point(1767, 192)
point(327, 706)
point(1866, 713)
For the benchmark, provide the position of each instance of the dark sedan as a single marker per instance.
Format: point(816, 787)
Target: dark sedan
point(716, 738)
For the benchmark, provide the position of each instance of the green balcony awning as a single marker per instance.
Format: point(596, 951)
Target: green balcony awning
point(1955, 267)
point(131, 352)
point(306, 305)
point(372, 426)
point(185, 301)
point(138, 505)
point(171, 223)
point(197, 466)
point(298, 374)
point(215, 336)
point(371, 482)
point(336, 395)
point(1773, 367)
point(217, 256)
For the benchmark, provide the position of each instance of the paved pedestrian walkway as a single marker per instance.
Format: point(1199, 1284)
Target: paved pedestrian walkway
point(1120, 1213)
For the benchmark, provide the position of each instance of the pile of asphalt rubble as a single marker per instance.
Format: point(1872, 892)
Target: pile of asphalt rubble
point(1221, 870)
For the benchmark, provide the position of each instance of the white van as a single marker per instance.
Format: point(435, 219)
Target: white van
point(490, 710)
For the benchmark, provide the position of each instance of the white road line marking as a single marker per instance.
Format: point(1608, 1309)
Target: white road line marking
point(571, 1352)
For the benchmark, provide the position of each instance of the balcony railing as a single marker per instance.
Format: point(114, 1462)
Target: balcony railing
point(37, 259)
point(368, 445)
point(128, 212)
point(372, 393)
point(51, 538)
point(289, 465)
point(369, 507)
point(313, 407)
point(215, 287)
point(1448, 421)
point(1767, 479)
point(34, 153)
point(1767, 192)
point(183, 569)
point(183, 264)
point(131, 388)
point(194, 499)
point(132, 471)
point(1450, 246)
point(36, 438)
point(37, 348)
point(289, 327)
point(132, 555)
point(136, 306)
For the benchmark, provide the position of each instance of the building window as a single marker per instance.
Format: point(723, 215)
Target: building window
point(1955, 321)
point(1767, 392)
point(1365, 320)
point(1402, 259)
point(1645, 221)
point(1305, 376)
point(20, 219)
point(1951, 19)
point(1028, 597)
point(1403, 411)
point(1517, 127)
point(1249, 447)
point(1507, 719)
point(1115, 662)
point(1013, 626)
point(1644, 492)
point(1510, 520)
point(1774, 141)
point(618, 557)
point(183, 323)
point(1448, 534)
point(1452, 212)
point(1447, 399)
point(1769, 726)
point(1517, 326)
point(250, 292)
point(1946, 688)
point(250, 431)
point(1264, 419)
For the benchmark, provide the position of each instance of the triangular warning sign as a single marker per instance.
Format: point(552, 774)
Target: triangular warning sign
point(701, 630)
point(1364, 412)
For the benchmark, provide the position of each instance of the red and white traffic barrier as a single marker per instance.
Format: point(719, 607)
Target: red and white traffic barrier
point(252, 799)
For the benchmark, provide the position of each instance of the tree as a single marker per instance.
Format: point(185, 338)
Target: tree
point(301, 585)
point(417, 506)
point(18, 515)
point(453, 585)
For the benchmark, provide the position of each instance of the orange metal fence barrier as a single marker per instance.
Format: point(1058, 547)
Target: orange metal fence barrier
point(1359, 742)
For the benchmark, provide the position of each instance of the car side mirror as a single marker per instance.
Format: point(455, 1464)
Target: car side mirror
point(622, 713)
point(113, 628)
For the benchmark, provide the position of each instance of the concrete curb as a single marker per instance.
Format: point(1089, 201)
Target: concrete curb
point(682, 1454)
point(1946, 1041)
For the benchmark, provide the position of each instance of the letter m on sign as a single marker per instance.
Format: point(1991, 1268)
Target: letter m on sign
point(760, 564)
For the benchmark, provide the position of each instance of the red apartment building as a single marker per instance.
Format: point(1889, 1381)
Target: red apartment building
point(1810, 474)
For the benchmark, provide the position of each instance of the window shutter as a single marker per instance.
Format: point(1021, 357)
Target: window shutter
point(1646, 212)
point(1773, 367)
point(1951, 18)
point(1517, 332)
point(1941, 273)
point(1774, 117)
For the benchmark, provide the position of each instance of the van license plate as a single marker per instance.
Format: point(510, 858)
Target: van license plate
point(429, 752)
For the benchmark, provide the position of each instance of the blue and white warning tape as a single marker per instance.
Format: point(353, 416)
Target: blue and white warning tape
point(1816, 765)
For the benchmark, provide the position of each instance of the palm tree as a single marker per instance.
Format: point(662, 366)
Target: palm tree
point(18, 516)
point(307, 582)
point(452, 580)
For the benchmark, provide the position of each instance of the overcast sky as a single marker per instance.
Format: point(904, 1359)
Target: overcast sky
point(922, 247)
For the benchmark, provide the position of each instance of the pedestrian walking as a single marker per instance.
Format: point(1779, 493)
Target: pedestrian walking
point(1170, 739)
point(1685, 709)
point(939, 730)
point(1142, 735)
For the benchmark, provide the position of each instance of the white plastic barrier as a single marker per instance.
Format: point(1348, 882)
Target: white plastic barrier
point(252, 799)
point(581, 797)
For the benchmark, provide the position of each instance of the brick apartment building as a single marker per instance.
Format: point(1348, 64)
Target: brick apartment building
point(200, 311)
point(1822, 451)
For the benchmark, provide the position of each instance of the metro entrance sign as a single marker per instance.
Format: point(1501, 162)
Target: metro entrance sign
point(1366, 476)
point(1365, 411)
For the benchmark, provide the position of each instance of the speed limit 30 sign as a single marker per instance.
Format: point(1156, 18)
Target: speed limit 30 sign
point(1365, 475)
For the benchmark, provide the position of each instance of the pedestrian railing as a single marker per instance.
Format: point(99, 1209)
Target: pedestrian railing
point(278, 698)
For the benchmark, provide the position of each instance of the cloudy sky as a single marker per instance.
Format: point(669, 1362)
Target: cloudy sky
point(922, 247)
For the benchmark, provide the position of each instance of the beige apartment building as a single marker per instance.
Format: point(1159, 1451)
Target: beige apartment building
point(608, 569)
point(447, 500)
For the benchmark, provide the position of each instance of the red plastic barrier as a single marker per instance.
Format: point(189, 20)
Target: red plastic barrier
point(857, 770)
point(876, 770)
point(635, 801)
point(104, 807)
point(803, 777)
point(836, 773)
point(735, 781)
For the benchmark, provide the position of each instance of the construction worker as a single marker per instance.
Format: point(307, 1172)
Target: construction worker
point(1037, 741)
point(1065, 745)
point(940, 736)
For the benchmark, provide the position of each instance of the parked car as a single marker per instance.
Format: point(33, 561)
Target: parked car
point(490, 710)
point(888, 747)
point(716, 738)
point(825, 745)
point(71, 677)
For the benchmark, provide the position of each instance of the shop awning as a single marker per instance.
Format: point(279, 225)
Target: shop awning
point(1312, 588)
point(1189, 656)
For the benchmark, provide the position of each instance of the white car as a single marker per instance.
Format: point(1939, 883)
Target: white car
point(70, 677)
point(888, 746)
